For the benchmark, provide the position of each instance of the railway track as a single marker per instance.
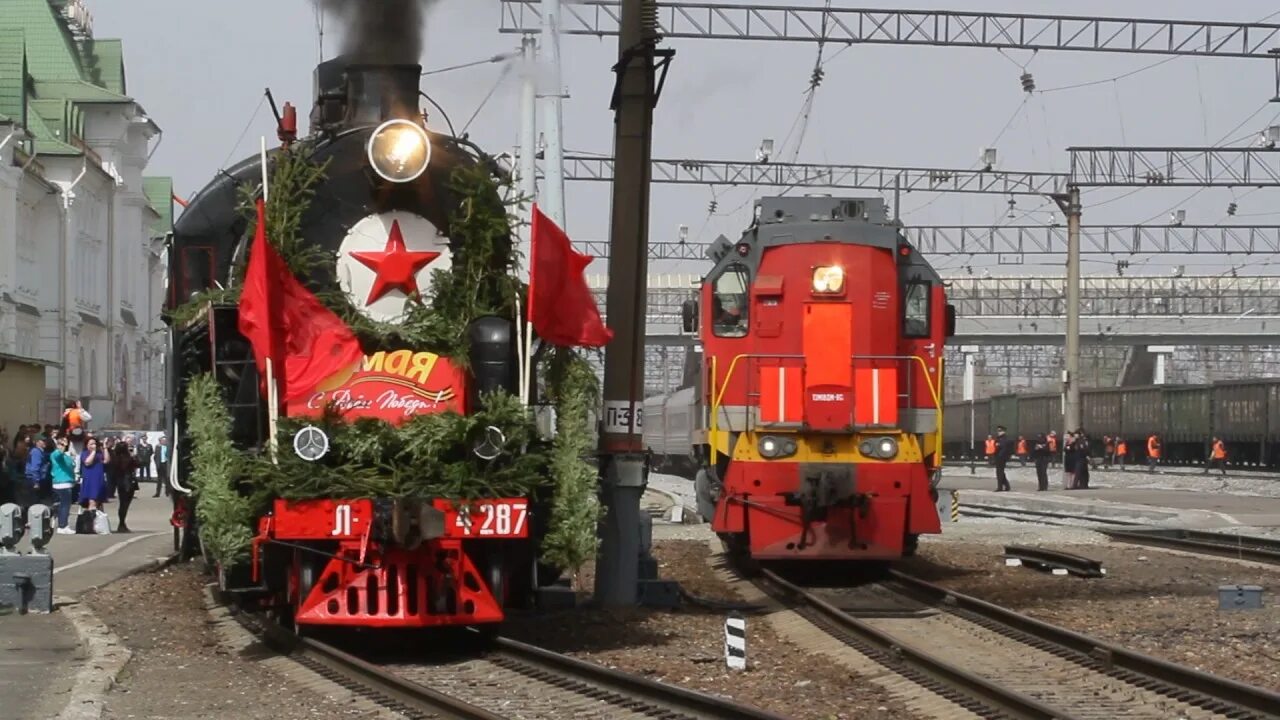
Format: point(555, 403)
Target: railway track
point(1191, 471)
point(1221, 544)
point(1240, 547)
point(507, 680)
point(994, 663)
point(1043, 517)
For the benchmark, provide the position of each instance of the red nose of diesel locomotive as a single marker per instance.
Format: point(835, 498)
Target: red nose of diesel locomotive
point(823, 376)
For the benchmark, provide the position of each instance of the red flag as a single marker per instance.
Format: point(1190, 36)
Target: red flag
point(561, 307)
point(286, 322)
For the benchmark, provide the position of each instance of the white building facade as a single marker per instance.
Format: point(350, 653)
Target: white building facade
point(82, 262)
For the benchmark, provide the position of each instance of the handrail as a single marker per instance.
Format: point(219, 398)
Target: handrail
point(717, 394)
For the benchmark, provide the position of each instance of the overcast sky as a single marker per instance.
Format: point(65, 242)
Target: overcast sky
point(199, 69)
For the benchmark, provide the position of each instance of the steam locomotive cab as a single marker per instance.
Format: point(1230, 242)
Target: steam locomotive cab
point(822, 378)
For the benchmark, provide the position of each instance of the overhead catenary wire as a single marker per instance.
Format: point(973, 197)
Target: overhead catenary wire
point(249, 124)
point(506, 70)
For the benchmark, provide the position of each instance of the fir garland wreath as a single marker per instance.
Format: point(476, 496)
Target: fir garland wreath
point(429, 456)
point(571, 540)
point(224, 514)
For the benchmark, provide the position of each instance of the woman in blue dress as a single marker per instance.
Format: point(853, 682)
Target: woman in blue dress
point(93, 466)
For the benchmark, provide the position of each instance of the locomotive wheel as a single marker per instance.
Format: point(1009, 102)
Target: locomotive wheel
point(910, 545)
point(495, 576)
point(737, 550)
point(309, 569)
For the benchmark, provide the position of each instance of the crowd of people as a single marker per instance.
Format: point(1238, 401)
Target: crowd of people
point(69, 466)
point(1076, 456)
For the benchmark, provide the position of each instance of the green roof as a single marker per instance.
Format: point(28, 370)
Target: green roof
point(104, 64)
point(51, 51)
point(47, 76)
point(159, 191)
point(49, 137)
point(77, 90)
point(13, 72)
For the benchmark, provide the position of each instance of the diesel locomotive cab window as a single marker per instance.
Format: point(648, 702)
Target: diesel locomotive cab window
point(729, 304)
point(915, 311)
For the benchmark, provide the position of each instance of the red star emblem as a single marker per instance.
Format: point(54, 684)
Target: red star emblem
point(396, 266)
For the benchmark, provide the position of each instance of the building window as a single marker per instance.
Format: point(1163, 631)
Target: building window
point(915, 310)
point(729, 302)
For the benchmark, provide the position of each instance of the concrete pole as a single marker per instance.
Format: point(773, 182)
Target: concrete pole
point(970, 379)
point(528, 134)
point(1162, 354)
point(553, 161)
point(623, 471)
point(1070, 204)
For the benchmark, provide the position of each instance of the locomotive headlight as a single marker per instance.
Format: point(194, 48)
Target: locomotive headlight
point(772, 447)
point(399, 151)
point(828, 279)
point(884, 448)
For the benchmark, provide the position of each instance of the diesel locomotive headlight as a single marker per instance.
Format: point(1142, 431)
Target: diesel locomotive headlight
point(399, 151)
point(828, 279)
point(883, 448)
point(775, 447)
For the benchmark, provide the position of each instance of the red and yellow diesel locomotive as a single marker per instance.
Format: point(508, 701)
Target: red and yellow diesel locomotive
point(812, 422)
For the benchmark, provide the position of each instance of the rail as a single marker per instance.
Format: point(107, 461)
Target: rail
point(360, 675)
point(1239, 547)
point(565, 673)
point(920, 666)
point(717, 393)
point(1077, 565)
point(1223, 694)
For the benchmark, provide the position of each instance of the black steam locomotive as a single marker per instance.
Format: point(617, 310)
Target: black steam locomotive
point(382, 213)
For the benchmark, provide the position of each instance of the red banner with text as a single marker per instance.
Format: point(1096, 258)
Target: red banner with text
point(392, 386)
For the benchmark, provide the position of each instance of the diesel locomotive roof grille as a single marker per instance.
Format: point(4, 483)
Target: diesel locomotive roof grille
point(822, 208)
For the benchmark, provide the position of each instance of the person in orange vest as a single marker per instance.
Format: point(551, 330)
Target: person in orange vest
point(1022, 450)
point(1217, 457)
point(1153, 452)
point(1053, 448)
point(991, 450)
point(1122, 452)
point(1108, 450)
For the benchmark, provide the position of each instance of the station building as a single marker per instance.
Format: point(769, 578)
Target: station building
point(82, 231)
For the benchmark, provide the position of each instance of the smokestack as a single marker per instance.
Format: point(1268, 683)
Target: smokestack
point(380, 32)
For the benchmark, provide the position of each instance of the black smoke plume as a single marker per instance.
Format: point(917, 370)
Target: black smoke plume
point(380, 31)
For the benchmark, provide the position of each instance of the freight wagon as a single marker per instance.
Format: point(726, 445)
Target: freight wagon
point(1244, 413)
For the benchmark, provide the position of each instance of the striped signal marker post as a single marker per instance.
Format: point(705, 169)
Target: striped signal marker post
point(955, 506)
point(735, 641)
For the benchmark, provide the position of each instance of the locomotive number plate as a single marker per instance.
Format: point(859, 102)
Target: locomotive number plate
point(493, 519)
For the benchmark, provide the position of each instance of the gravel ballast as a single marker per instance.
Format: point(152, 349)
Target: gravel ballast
point(686, 647)
point(179, 667)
